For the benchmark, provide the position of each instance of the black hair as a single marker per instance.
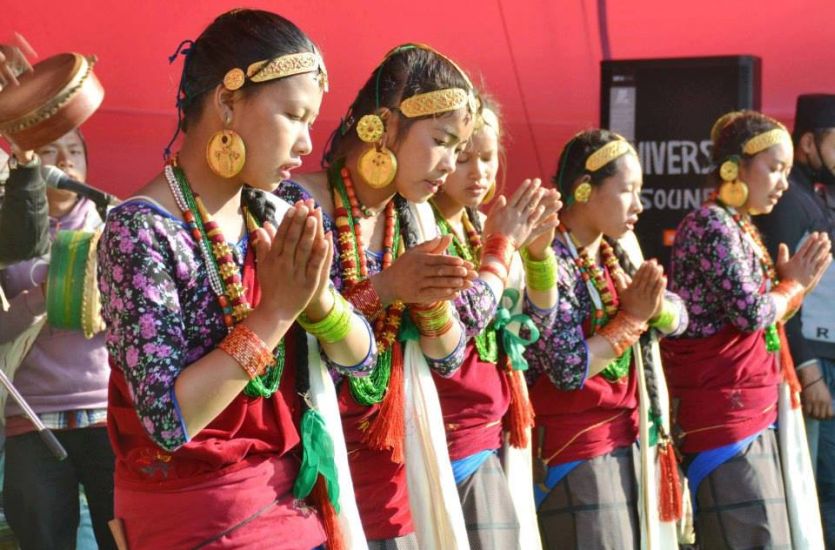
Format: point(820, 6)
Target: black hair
point(572, 162)
point(236, 39)
point(647, 340)
point(407, 70)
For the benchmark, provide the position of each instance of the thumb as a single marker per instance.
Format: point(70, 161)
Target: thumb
point(782, 253)
point(262, 241)
point(443, 243)
point(620, 281)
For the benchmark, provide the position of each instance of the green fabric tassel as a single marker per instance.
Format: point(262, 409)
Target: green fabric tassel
point(772, 338)
point(513, 344)
point(317, 458)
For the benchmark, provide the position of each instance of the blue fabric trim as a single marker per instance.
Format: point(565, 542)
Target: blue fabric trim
point(555, 475)
point(707, 461)
point(177, 410)
point(372, 348)
point(588, 364)
point(465, 467)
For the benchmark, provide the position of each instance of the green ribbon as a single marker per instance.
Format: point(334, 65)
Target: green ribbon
point(513, 344)
point(317, 458)
point(772, 338)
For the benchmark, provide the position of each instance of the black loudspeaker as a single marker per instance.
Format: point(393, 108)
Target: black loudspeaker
point(666, 108)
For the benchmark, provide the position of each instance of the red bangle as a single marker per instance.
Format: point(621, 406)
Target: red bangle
point(622, 331)
point(247, 348)
point(793, 292)
point(496, 270)
point(499, 247)
point(365, 299)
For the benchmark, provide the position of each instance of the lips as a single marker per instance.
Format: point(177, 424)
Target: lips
point(286, 169)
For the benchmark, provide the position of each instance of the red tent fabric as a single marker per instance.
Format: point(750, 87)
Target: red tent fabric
point(539, 58)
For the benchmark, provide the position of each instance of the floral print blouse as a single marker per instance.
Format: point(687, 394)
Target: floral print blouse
point(161, 312)
point(562, 352)
point(291, 192)
point(715, 269)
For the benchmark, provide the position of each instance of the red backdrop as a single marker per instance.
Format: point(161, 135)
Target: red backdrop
point(540, 58)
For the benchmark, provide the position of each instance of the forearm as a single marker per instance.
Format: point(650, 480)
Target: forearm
point(207, 386)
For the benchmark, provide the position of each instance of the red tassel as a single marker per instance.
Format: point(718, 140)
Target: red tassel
point(330, 520)
point(521, 415)
point(388, 429)
point(787, 367)
point(670, 485)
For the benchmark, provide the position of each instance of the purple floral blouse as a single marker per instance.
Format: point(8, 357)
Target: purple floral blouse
point(562, 352)
point(715, 269)
point(291, 192)
point(161, 312)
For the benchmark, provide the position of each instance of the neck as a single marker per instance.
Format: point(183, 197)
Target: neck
point(220, 196)
point(371, 198)
point(451, 210)
point(61, 206)
point(584, 235)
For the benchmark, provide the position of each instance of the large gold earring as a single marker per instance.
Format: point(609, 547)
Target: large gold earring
point(732, 192)
point(226, 153)
point(490, 194)
point(583, 192)
point(378, 166)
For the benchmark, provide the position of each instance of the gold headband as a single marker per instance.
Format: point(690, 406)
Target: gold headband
point(280, 67)
point(438, 101)
point(609, 152)
point(761, 142)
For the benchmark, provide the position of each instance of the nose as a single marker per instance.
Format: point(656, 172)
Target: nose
point(447, 163)
point(304, 144)
point(478, 170)
point(63, 159)
point(637, 205)
point(783, 184)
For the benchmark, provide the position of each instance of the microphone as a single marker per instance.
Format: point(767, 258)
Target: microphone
point(57, 179)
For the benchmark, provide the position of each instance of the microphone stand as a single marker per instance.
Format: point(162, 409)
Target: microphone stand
point(46, 434)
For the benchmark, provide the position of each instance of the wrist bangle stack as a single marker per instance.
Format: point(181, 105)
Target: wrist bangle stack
point(540, 274)
point(248, 350)
point(622, 332)
point(335, 326)
point(499, 247)
point(793, 292)
point(433, 320)
point(667, 320)
point(364, 298)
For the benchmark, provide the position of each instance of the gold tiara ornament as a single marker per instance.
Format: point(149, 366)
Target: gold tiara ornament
point(609, 152)
point(761, 142)
point(439, 101)
point(280, 67)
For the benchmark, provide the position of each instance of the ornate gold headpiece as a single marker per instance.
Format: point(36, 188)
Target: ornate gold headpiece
point(761, 142)
point(609, 152)
point(279, 67)
point(438, 101)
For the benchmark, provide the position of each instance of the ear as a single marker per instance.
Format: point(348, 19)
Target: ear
point(223, 103)
point(806, 144)
point(391, 120)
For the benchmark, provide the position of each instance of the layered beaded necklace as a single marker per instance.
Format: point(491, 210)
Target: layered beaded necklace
point(603, 301)
point(353, 264)
point(772, 336)
point(470, 250)
point(224, 274)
